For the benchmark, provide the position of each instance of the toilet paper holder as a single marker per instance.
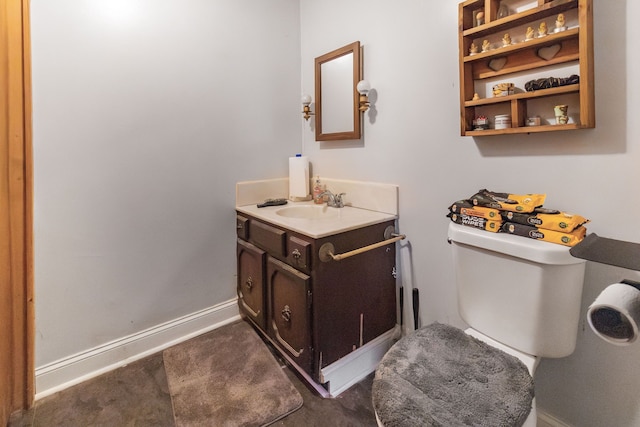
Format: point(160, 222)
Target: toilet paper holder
point(615, 314)
point(631, 283)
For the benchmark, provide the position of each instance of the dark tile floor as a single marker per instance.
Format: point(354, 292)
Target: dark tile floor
point(138, 395)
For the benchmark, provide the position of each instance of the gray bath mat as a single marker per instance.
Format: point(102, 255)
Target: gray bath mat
point(228, 377)
point(440, 376)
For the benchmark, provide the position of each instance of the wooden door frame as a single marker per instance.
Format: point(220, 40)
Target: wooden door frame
point(17, 320)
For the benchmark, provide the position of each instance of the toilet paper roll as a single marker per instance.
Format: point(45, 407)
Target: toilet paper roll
point(614, 316)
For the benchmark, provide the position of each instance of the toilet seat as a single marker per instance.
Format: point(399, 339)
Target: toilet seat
point(439, 375)
point(531, 362)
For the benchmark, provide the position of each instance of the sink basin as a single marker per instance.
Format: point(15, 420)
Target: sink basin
point(316, 221)
point(309, 212)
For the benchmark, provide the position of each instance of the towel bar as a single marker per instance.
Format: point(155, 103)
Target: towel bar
point(326, 250)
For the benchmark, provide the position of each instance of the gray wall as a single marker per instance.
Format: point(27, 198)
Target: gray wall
point(146, 114)
point(411, 139)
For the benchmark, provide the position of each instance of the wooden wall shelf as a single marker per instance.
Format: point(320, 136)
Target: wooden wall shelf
point(575, 49)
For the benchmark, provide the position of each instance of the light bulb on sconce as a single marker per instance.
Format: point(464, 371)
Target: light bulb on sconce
point(306, 110)
point(363, 89)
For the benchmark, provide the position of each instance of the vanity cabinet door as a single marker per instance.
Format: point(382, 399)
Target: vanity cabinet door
point(289, 311)
point(250, 286)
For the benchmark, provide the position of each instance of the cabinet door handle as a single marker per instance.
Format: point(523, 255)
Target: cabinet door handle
point(249, 283)
point(286, 313)
point(296, 254)
point(284, 343)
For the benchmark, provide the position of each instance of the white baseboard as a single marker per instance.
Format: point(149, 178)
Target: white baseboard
point(80, 367)
point(352, 368)
point(548, 420)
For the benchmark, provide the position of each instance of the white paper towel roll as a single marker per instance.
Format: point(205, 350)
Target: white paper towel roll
point(298, 177)
point(614, 316)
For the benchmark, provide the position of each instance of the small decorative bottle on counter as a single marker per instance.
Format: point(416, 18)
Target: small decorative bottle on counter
point(317, 192)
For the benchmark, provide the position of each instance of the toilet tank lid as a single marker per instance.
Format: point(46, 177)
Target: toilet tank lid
point(517, 246)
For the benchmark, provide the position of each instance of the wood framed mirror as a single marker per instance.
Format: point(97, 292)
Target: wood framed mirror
point(337, 75)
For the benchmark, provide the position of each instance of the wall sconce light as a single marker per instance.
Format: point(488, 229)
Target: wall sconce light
point(306, 110)
point(363, 88)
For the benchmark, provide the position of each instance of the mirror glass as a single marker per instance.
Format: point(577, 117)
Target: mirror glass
point(337, 74)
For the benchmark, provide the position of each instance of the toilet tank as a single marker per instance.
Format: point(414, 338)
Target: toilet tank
point(521, 292)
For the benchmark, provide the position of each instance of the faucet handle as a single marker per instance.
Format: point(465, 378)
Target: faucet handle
point(338, 200)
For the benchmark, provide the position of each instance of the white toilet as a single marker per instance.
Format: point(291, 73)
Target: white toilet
point(519, 295)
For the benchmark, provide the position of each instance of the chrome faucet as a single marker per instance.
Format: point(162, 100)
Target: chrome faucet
point(334, 200)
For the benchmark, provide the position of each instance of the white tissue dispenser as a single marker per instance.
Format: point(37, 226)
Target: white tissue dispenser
point(299, 178)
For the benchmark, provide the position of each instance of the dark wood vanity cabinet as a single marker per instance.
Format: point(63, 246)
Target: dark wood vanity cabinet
point(315, 312)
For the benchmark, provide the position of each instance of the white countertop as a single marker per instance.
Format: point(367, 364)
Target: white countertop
point(348, 218)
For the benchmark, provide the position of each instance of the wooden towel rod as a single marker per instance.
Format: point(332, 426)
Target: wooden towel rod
point(326, 250)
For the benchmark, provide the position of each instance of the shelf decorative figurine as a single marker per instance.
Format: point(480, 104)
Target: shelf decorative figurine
point(506, 40)
point(503, 89)
point(480, 123)
point(542, 29)
point(561, 114)
point(529, 34)
point(549, 82)
point(473, 49)
point(479, 18)
point(560, 24)
point(486, 45)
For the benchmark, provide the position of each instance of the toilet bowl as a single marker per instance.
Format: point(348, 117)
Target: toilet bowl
point(521, 301)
